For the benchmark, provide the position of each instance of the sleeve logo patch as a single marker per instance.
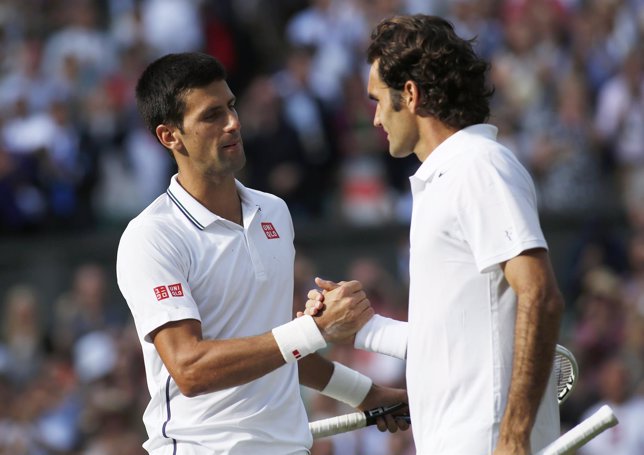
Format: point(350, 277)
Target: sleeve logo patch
point(176, 290)
point(161, 292)
point(270, 231)
point(165, 292)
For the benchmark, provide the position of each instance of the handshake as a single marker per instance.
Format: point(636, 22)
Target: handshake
point(338, 309)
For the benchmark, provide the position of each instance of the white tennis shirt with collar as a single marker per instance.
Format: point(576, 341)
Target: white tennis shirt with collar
point(474, 207)
point(177, 260)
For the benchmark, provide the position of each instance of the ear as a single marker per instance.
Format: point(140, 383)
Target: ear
point(411, 95)
point(169, 138)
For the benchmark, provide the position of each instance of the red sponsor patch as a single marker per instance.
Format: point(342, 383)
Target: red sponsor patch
point(270, 231)
point(161, 292)
point(296, 354)
point(176, 290)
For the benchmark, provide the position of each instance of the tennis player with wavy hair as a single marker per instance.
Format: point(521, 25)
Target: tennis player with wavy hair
point(484, 305)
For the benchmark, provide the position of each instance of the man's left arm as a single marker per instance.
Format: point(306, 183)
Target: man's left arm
point(539, 310)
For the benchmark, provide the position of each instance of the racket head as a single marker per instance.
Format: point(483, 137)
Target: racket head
point(566, 372)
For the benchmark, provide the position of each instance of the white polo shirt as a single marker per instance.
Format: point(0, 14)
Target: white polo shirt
point(176, 261)
point(474, 207)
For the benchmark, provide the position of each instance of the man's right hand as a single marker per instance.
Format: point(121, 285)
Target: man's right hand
point(340, 310)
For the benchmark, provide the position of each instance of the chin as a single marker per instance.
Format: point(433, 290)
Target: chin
point(399, 153)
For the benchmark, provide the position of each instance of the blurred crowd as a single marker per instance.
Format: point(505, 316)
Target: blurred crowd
point(74, 156)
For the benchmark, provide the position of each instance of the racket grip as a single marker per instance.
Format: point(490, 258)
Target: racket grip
point(335, 425)
point(601, 420)
point(372, 414)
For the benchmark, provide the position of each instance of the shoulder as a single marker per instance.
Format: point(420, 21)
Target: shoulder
point(156, 227)
point(488, 162)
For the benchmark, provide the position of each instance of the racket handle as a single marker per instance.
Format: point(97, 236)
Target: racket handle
point(336, 425)
point(601, 420)
point(372, 414)
point(353, 421)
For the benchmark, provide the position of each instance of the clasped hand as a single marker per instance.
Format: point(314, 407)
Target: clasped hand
point(339, 309)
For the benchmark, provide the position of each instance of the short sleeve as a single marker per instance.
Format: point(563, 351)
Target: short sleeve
point(152, 276)
point(497, 211)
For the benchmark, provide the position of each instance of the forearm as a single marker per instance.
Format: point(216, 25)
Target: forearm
point(201, 366)
point(385, 336)
point(212, 365)
point(315, 371)
point(536, 334)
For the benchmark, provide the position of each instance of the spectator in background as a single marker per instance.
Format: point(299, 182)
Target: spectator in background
point(22, 334)
point(365, 197)
point(563, 157)
point(333, 30)
point(608, 30)
point(82, 41)
point(84, 308)
point(472, 18)
point(278, 162)
point(599, 328)
point(307, 115)
point(619, 120)
point(27, 80)
point(182, 17)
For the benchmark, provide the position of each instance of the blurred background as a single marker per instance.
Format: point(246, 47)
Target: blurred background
point(76, 165)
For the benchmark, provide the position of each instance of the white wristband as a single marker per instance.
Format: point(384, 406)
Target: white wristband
point(298, 338)
point(383, 335)
point(347, 385)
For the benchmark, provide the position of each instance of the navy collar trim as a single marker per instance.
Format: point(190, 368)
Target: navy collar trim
point(185, 211)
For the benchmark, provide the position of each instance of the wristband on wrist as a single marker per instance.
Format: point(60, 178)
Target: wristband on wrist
point(347, 385)
point(383, 335)
point(298, 338)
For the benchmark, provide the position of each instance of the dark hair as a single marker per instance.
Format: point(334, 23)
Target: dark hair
point(450, 76)
point(161, 89)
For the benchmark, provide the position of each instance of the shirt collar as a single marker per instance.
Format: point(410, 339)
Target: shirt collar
point(199, 215)
point(446, 150)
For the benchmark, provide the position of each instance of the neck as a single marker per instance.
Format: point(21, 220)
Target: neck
point(219, 195)
point(433, 133)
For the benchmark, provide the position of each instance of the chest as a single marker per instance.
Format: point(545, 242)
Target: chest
point(436, 234)
point(242, 277)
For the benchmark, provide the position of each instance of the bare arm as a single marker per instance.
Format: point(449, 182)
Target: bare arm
point(200, 366)
point(539, 309)
point(315, 371)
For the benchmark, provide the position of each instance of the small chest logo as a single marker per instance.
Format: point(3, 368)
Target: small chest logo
point(270, 231)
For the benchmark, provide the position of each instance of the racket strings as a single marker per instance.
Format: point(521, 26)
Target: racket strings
point(565, 374)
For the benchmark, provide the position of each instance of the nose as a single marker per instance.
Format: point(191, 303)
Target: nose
point(376, 118)
point(233, 121)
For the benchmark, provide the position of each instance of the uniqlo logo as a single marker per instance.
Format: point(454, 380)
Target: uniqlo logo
point(296, 354)
point(161, 292)
point(176, 290)
point(270, 231)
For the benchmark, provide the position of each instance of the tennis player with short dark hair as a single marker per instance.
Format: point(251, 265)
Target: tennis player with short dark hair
point(484, 306)
point(207, 271)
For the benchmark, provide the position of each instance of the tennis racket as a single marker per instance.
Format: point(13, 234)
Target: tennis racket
point(565, 369)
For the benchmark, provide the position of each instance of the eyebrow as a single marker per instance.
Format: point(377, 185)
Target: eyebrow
point(213, 109)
